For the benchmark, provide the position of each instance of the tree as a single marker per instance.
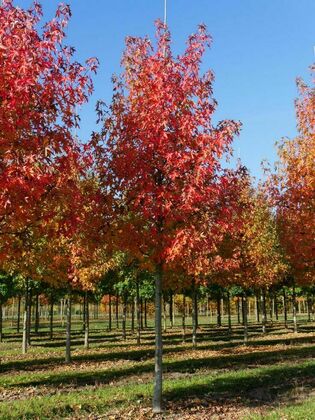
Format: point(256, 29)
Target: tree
point(292, 187)
point(40, 87)
point(162, 155)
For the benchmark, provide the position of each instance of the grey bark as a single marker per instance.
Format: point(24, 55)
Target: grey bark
point(68, 329)
point(263, 311)
point(295, 326)
point(87, 321)
point(245, 306)
point(157, 393)
point(138, 314)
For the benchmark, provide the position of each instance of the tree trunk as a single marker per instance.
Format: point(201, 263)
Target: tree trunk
point(245, 306)
point(194, 316)
point(62, 304)
point(1, 334)
point(68, 329)
point(36, 313)
point(84, 312)
point(124, 320)
point(116, 312)
point(157, 393)
point(51, 319)
point(276, 308)
point(238, 310)
point(18, 315)
point(257, 307)
point(87, 322)
point(29, 309)
point(219, 323)
point(141, 314)
point(184, 318)
point(229, 313)
point(138, 314)
point(164, 314)
point(264, 311)
point(285, 309)
point(24, 337)
point(145, 314)
point(171, 309)
point(25, 340)
point(109, 312)
point(195, 303)
point(133, 315)
point(295, 327)
point(309, 306)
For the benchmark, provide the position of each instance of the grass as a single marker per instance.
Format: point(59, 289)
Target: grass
point(273, 377)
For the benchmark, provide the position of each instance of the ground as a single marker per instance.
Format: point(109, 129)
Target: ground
point(273, 377)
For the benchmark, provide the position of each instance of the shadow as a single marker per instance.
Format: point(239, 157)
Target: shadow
point(255, 388)
point(190, 366)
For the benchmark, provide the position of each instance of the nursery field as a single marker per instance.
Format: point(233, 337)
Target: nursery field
point(271, 377)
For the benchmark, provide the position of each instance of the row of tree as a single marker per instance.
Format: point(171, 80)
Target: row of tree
point(150, 192)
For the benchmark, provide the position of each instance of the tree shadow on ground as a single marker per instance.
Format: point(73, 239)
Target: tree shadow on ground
point(255, 388)
point(188, 366)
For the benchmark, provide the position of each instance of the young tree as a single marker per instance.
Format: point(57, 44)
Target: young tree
point(162, 158)
point(293, 189)
point(40, 87)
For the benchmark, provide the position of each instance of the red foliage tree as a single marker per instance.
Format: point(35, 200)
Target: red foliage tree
point(163, 155)
point(40, 86)
point(293, 187)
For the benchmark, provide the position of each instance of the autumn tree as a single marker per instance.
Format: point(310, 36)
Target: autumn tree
point(162, 155)
point(40, 87)
point(293, 186)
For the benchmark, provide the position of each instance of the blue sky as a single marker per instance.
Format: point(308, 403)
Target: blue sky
point(259, 48)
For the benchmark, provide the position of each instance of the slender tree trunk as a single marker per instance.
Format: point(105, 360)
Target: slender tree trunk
point(195, 303)
point(62, 304)
point(145, 314)
point(51, 319)
point(109, 312)
point(257, 307)
point(84, 313)
point(24, 338)
point(124, 320)
point(1, 326)
point(264, 311)
point(141, 314)
point(272, 308)
point(116, 312)
point(276, 307)
point(219, 323)
point(184, 318)
point(171, 309)
point(238, 310)
point(295, 326)
point(132, 315)
point(68, 329)
point(138, 314)
point(194, 316)
point(36, 313)
point(157, 393)
point(229, 313)
point(87, 321)
point(18, 315)
point(29, 309)
point(164, 313)
point(245, 306)
point(242, 309)
point(309, 306)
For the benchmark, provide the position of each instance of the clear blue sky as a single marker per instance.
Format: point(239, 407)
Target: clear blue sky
point(259, 48)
